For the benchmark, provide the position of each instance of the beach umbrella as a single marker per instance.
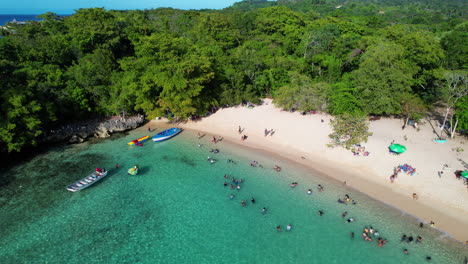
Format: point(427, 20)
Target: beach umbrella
point(464, 174)
point(397, 148)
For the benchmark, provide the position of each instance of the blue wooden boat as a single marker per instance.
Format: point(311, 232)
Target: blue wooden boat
point(167, 134)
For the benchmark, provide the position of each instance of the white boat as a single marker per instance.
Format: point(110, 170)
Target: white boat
point(87, 181)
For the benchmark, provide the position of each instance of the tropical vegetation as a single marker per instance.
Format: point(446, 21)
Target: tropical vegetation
point(347, 58)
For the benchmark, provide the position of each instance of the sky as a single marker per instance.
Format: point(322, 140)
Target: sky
point(64, 7)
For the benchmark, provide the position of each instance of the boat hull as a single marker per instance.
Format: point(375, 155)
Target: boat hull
point(86, 181)
point(167, 134)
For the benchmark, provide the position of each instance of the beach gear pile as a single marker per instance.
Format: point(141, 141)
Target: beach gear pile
point(360, 150)
point(406, 168)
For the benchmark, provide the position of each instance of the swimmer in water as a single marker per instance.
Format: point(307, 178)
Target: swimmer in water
point(231, 196)
point(343, 215)
point(278, 228)
point(320, 212)
point(238, 187)
point(243, 203)
point(350, 220)
point(264, 210)
point(403, 238)
point(352, 234)
point(406, 251)
point(253, 200)
point(309, 192)
point(288, 227)
point(320, 188)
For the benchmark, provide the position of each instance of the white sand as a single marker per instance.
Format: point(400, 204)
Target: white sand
point(303, 139)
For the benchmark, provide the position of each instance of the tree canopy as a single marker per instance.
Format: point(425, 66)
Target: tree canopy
point(366, 57)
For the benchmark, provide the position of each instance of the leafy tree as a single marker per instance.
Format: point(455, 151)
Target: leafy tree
point(349, 130)
point(343, 99)
point(383, 76)
point(94, 28)
point(412, 107)
point(461, 114)
point(454, 91)
point(302, 94)
point(454, 44)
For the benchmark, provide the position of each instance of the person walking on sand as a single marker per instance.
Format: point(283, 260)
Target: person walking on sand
point(266, 132)
point(415, 196)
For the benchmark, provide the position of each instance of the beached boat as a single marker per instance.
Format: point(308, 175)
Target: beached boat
point(139, 141)
point(166, 134)
point(87, 181)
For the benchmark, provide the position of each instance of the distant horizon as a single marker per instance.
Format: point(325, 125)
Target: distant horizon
point(33, 7)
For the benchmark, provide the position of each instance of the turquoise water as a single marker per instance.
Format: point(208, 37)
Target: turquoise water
point(178, 211)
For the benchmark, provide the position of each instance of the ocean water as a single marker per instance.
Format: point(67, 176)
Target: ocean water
point(177, 210)
point(5, 18)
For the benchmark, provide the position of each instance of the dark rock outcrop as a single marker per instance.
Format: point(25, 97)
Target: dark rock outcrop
point(100, 128)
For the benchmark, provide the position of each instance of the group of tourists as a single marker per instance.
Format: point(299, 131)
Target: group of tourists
point(408, 169)
point(268, 132)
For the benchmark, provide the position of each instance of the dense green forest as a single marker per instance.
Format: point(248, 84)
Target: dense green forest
point(387, 57)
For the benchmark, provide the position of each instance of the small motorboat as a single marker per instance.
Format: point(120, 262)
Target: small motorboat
point(137, 142)
point(166, 134)
point(88, 180)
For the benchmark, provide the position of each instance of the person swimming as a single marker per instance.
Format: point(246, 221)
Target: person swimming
point(253, 200)
point(278, 228)
point(350, 220)
point(231, 196)
point(264, 210)
point(406, 251)
point(309, 192)
point(320, 212)
point(343, 215)
point(288, 227)
point(320, 188)
point(293, 184)
point(243, 203)
point(404, 237)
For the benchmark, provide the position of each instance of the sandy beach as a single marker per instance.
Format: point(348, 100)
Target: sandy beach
point(304, 138)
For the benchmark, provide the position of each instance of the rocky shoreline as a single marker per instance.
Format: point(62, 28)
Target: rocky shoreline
point(99, 128)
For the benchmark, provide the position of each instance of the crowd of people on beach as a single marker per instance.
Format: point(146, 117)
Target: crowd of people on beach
point(408, 169)
point(369, 234)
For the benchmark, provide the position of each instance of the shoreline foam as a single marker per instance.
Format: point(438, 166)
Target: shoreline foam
point(303, 139)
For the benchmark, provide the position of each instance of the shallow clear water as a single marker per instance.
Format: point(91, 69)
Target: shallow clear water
point(178, 211)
